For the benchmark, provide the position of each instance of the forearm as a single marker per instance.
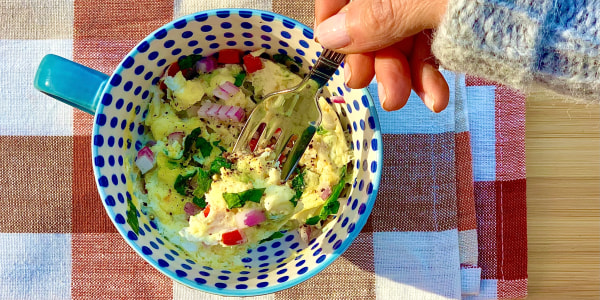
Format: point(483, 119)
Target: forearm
point(524, 43)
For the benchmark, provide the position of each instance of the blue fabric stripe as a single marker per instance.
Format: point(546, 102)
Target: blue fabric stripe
point(415, 117)
point(35, 264)
point(481, 105)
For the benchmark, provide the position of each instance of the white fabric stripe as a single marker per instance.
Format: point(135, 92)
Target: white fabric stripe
point(23, 109)
point(417, 265)
point(35, 266)
point(470, 281)
point(182, 292)
point(488, 290)
point(186, 7)
point(467, 246)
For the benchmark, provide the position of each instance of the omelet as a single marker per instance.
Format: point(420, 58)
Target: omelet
point(215, 204)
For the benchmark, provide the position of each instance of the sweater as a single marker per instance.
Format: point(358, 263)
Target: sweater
point(524, 43)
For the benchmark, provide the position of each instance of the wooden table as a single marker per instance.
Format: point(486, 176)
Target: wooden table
point(563, 197)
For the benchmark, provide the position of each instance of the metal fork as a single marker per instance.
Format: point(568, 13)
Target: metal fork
point(295, 112)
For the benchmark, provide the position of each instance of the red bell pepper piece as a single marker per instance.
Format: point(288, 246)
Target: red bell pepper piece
point(229, 56)
point(173, 69)
point(206, 211)
point(252, 63)
point(233, 238)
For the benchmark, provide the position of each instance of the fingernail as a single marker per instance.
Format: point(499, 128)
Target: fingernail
point(347, 73)
point(429, 102)
point(429, 72)
point(332, 33)
point(382, 95)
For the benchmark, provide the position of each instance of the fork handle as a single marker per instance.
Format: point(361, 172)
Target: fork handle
point(326, 65)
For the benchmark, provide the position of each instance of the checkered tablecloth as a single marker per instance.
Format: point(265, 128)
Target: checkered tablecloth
point(449, 221)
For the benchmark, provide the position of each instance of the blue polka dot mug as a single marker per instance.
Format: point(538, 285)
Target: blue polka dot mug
point(119, 103)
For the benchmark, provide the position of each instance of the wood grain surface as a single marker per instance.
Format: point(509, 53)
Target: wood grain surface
point(563, 197)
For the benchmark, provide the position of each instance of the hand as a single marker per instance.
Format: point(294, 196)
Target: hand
point(390, 39)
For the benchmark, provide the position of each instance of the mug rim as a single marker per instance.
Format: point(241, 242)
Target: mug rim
point(233, 292)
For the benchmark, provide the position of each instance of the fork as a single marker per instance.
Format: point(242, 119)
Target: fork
point(290, 116)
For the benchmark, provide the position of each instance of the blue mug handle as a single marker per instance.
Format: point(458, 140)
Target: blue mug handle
point(70, 82)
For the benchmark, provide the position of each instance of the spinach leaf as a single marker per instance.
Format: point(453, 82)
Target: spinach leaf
point(200, 201)
point(204, 181)
point(235, 200)
point(189, 61)
point(313, 221)
point(132, 219)
point(239, 79)
point(298, 186)
point(321, 130)
point(283, 59)
point(216, 144)
point(332, 205)
point(273, 236)
point(182, 182)
point(204, 146)
point(218, 163)
point(190, 140)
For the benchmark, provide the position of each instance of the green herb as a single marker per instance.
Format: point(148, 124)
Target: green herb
point(273, 236)
point(132, 219)
point(181, 182)
point(201, 202)
point(239, 79)
point(218, 163)
point(332, 205)
point(283, 59)
point(321, 130)
point(313, 221)
point(235, 200)
point(204, 181)
point(189, 61)
point(189, 141)
point(204, 146)
point(298, 186)
point(216, 144)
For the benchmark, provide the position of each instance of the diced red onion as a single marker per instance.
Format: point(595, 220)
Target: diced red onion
point(214, 110)
point(226, 90)
point(206, 65)
point(236, 114)
point(176, 137)
point(191, 209)
point(325, 193)
point(145, 159)
point(221, 93)
point(337, 99)
point(230, 88)
point(222, 112)
point(250, 218)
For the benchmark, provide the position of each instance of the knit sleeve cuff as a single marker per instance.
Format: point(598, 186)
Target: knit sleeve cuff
point(523, 42)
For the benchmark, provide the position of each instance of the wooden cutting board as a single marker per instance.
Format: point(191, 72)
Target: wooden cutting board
point(563, 197)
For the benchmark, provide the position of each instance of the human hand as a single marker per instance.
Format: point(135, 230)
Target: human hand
point(390, 39)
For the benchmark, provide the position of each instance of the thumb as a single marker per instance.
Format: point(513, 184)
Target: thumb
point(369, 25)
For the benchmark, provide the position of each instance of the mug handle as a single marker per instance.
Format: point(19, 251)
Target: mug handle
point(70, 82)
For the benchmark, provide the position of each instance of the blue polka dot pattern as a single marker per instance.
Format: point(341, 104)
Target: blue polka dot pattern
point(123, 106)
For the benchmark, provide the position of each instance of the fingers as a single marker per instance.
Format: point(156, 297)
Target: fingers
point(427, 81)
point(393, 77)
point(327, 8)
point(359, 70)
point(367, 25)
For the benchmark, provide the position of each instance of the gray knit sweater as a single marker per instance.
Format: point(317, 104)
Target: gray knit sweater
point(522, 43)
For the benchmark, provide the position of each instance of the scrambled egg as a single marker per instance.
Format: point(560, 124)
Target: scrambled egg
point(215, 204)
